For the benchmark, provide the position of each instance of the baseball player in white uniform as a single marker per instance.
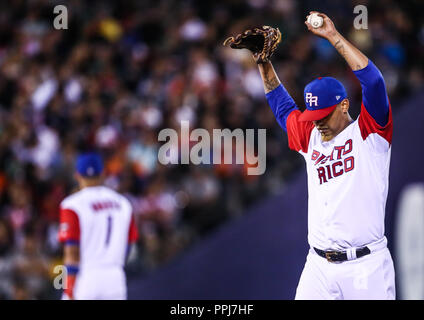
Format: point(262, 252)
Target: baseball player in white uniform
point(97, 228)
point(347, 163)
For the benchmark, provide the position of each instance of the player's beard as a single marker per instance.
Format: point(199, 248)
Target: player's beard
point(326, 134)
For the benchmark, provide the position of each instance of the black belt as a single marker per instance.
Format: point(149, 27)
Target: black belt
point(333, 256)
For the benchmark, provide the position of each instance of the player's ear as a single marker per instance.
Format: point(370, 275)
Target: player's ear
point(345, 105)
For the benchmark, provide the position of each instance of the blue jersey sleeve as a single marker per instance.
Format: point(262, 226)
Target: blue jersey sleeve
point(281, 104)
point(374, 94)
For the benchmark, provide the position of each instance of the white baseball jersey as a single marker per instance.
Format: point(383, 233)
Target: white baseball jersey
point(347, 180)
point(101, 221)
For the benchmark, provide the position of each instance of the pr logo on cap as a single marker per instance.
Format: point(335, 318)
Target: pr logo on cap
point(321, 96)
point(311, 99)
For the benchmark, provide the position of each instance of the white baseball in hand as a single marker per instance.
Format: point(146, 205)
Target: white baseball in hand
point(315, 20)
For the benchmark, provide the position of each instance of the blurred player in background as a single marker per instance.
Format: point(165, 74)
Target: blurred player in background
point(97, 228)
point(348, 168)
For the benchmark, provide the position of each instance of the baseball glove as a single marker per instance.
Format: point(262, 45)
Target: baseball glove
point(262, 42)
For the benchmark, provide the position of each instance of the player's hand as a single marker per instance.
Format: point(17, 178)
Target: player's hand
point(255, 57)
point(326, 31)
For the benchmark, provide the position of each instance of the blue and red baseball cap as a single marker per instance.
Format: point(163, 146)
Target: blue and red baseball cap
point(89, 164)
point(321, 97)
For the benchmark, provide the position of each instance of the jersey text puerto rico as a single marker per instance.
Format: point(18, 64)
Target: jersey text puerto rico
point(336, 168)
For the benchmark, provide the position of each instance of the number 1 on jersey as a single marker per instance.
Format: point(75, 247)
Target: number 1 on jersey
point(109, 229)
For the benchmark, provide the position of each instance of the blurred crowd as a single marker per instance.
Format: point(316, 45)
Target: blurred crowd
point(124, 70)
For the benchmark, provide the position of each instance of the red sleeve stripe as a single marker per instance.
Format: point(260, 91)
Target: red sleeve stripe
point(132, 232)
point(298, 132)
point(368, 125)
point(70, 284)
point(69, 228)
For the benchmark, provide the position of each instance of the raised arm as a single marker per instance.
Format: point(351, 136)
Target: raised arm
point(269, 76)
point(374, 94)
point(284, 109)
point(280, 101)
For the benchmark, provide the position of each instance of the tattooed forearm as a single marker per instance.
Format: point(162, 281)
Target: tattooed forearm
point(340, 48)
point(271, 84)
point(269, 77)
point(355, 58)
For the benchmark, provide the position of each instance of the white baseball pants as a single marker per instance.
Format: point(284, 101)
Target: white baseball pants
point(371, 277)
point(101, 284)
